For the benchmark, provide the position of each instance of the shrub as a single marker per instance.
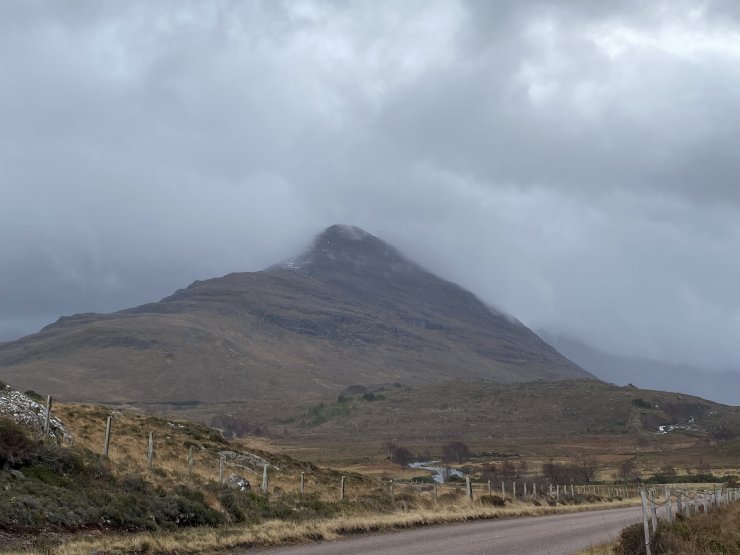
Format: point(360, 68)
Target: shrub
point(252, 508)
point(631, 541)
point(70, 488)
point(16, 448)
point(31, 394)
point(455, 451)
point(423, 479)
point(238, 426)
point(402, 456)
point(450, 496)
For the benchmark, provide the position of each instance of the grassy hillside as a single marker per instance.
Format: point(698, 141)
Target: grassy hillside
point(54, 488)
point(65, 498)
point(67, 492)
point(533, 421)
point(559, 409)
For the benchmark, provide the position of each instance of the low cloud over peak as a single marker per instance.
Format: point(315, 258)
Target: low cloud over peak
point(573, 163)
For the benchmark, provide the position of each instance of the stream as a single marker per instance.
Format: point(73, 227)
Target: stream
point(439, 471)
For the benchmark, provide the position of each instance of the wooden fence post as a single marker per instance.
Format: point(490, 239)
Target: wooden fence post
point(265, 479)
point(503, 490)
point(303, 482)
point(48, 415)
point(653, 513)
point(106, 441)
point(645, 522)
point(341, 489)
point(469, 488)
point(393, 495)
point(525, 489)
point(668, 508)
point(435, 493)
point(190, 461)
point(490, 491)
point(150, 451)
point(513, 490)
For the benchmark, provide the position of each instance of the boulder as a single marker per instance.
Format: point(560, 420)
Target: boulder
point(239, 483)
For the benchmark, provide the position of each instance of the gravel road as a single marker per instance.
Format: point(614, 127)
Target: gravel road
point(546, 535)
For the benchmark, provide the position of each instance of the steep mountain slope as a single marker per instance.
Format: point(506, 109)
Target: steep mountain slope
point(349, 310)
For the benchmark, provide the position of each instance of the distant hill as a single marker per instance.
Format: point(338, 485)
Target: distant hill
point(562, 409)
point(534, 420)
point(350, 309)
point(720, 386)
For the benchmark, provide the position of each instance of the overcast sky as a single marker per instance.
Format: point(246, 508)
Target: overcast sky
point(573, 163)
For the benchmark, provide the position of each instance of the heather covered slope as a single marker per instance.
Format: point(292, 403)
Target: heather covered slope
point(350, 309)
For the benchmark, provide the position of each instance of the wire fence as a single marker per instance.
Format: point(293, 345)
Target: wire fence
point(221, 464)
point(680, 501)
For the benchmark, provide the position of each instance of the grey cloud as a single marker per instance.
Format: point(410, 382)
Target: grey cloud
point(571, 162)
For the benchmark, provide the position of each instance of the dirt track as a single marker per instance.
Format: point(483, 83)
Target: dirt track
point(547, 535)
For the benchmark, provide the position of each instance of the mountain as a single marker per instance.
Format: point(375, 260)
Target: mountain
point(349, 310)
point(718, 385)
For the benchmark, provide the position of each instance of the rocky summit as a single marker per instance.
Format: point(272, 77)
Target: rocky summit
point(350, 309)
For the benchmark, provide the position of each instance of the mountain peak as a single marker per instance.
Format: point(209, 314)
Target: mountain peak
point(349, 248)
point(344, 232)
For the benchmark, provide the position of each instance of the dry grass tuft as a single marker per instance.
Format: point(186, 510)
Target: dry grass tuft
point(703, 534)
point(602, 549)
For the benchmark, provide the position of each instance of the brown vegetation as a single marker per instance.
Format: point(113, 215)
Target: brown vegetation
point(278, 532)
point(705, 534)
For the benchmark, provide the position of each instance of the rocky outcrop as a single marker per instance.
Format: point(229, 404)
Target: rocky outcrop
point(23, 410)
point(239, 483)
point(246, 460)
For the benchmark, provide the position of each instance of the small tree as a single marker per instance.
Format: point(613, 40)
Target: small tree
point(398, 454)
point(390, 447)
point(402, 456)
point(522, 469)
point(667, 471)
point(489, 472)
point(627, 471)
point(455, 451)
point(586, 465)
point(550, 470)
point(507, 469)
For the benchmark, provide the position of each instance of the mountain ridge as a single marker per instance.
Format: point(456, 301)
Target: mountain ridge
point(349, 309)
